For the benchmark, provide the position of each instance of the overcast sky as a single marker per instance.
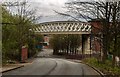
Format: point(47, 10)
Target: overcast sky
point(45, 7)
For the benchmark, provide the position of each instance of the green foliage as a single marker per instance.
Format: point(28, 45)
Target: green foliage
point(9, 35)
point(33, 41)
point(106, 68)
point(65, 43)
point(15, 34)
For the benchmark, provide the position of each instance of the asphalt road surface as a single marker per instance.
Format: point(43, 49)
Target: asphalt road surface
point(53, 66)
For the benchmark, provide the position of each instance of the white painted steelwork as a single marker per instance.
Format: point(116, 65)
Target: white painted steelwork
point(63, 27)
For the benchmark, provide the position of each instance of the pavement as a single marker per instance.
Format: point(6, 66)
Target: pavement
point(9, 67)
point(48, 65)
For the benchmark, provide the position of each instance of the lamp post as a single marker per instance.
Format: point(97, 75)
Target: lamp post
point(90, 44)
point(91, 35)
point(29, 41)
point(29, 34)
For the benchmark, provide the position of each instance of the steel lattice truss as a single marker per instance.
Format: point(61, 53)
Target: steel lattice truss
point(63, 28)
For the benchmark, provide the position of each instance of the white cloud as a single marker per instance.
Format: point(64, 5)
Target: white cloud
point(58, 2)
point(45, 7)
point(0, 1)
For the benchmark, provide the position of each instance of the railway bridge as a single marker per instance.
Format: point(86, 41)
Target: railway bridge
point(67, 27)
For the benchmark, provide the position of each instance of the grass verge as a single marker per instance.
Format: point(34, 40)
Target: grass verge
point(106, 68)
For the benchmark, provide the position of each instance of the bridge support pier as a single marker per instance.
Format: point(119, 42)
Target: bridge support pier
point(86, 44)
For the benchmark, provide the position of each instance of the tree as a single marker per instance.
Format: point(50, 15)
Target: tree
point(17, 27)
point(107, 14)
point(67, 44)
point(116, 28)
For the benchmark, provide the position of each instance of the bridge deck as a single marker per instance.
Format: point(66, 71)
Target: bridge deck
point(62, 33)
point(62, 28)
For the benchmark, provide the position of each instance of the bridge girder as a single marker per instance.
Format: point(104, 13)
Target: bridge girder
point(63, 28)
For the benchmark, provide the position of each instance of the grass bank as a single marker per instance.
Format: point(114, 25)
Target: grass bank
point(106, 68)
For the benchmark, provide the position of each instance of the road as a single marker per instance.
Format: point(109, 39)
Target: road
point(53, 66)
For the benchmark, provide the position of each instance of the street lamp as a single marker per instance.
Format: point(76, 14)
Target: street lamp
point(29, 40)
point(91, 43)
point(29, 34)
